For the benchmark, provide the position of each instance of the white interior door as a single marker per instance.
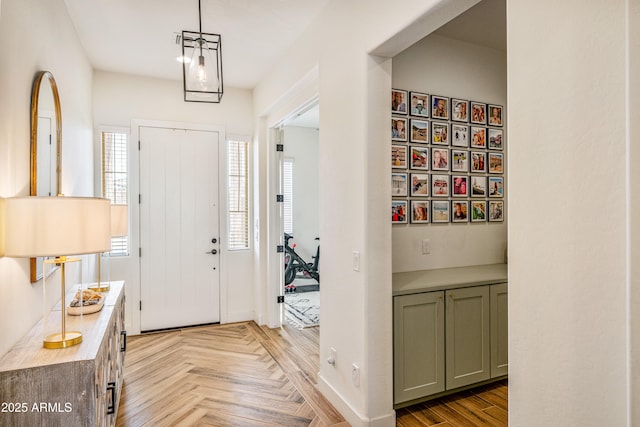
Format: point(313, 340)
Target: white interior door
point(179, 210)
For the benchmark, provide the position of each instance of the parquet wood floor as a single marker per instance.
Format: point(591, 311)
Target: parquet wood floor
point(242, 374)
point(483, 406)
point(224, 375)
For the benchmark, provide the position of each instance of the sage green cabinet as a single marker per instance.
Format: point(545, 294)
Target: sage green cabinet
point(447, 339)
point(418, 345)
point(499, 330)
point(467, 336)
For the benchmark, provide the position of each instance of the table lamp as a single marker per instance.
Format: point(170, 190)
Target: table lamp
point(50, 227)
point(119, 227)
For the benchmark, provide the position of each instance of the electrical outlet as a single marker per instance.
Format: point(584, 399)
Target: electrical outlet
point(356, 261)
point(355, 375)
point(331, 360)
point(426, 246)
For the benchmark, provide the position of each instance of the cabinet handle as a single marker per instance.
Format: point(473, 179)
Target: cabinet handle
point(124, 341)
point(111, 407)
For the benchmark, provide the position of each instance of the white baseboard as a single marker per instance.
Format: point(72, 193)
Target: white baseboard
point(354, 418)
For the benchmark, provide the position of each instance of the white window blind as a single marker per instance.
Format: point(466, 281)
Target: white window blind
point(288, 195)
point(115, 179)
point(238, 195)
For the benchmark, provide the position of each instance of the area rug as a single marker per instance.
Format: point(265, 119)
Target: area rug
point(302, 310)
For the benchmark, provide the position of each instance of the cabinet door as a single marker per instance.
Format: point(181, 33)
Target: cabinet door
point(499, 330)
point(418, 342)
point(467, 336)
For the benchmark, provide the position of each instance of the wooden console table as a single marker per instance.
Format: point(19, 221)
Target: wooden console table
point(75, 386)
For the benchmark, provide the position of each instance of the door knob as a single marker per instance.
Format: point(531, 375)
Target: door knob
point(212, 252)
point(214, 240)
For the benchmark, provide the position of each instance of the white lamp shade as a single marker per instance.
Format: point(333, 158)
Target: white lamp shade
point(56, 226)
point(119, 220)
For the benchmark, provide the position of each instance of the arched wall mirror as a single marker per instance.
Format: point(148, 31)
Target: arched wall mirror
point(46, 145)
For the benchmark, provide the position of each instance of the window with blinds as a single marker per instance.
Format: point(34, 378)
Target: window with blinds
point(238, 194)
point(115, 179)
point(287, 177)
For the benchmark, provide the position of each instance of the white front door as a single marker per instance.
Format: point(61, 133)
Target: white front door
point(179, 274)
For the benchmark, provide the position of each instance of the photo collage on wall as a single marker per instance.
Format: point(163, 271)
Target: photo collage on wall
point(447, 159)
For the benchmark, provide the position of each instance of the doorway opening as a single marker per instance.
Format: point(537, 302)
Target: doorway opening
point(299, 171)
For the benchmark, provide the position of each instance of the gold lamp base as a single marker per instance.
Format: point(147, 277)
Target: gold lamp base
point(100, 287)
point(69, 339)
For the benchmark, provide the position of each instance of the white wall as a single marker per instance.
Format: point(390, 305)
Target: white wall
point(118, 99)
point(633, 180)
point(568, 199)
point(301, 145)
point(354, 194)
point(442, 66)
point(36, 35)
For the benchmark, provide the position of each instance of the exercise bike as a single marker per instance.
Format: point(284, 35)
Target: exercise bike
point(294, 263)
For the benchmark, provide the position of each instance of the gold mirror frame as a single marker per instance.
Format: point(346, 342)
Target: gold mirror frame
point(47, 77)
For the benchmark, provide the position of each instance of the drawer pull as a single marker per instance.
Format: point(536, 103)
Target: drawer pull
point(124, 341)
point(111, 407)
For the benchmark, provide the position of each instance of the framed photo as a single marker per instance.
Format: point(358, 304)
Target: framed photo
point(420, 184)
point(495, 115)
point(398, 101)
point(439, 211)
point(478, 186)
point(439, 159)
point(496, 186)
point(419, 131)
point(460, 185)
point(478, 113)
point(495, 139)
point(478, 137)
point(459, 110)
point(398, 184)
point(478, 161)
point(440, 185)
point(419, 212)
point(399, 156)
point(440, 133)
point(439, 107)
point(398, 129)
point(478, 211)
point(419, 157)
point(459, 211)
point(496, 210)
point(419, 104)
point(399, 211)
point(495, 163)
point(459, 135)
point(459, 161)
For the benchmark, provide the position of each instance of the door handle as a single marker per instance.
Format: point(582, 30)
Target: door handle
point(111, 405)
point(212, 252)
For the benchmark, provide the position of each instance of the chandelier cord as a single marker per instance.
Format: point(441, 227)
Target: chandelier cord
point(200, 41)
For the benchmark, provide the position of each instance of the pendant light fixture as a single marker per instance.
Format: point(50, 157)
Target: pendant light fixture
point(202, 74)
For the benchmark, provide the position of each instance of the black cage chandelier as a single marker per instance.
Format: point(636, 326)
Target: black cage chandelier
point(202, 65)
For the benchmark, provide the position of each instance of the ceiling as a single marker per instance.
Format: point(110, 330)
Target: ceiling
point(484, 24)
point(139, 36)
